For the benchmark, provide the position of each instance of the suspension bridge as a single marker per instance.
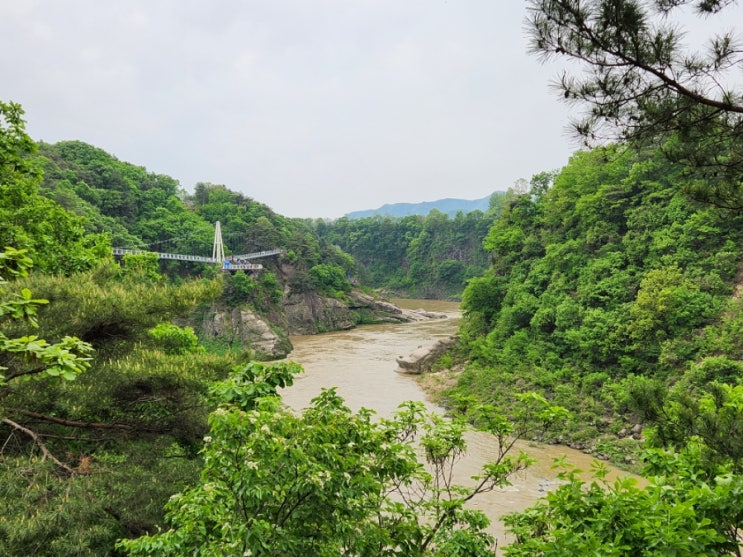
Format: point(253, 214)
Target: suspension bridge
point(227, 263)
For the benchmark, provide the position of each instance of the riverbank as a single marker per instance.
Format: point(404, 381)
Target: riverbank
point(360, 365)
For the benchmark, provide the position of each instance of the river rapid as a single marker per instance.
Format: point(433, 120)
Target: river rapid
point(360, 363)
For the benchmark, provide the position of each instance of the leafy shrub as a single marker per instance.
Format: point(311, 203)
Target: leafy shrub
point(174, 339)
point(330, 279)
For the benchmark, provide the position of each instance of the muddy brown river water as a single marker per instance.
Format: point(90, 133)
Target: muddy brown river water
point(360, 363)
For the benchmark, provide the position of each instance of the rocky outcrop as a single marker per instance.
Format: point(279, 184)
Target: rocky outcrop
point(385, 312)
point(242, 329)
point(423, 358)
point(308, 313)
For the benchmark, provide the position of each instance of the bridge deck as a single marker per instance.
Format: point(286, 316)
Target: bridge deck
point(230, 266)
point(255, 255)
point(161, 255)
point(231, 263)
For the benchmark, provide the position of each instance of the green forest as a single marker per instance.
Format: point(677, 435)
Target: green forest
point(602, 309)
point(414, 256)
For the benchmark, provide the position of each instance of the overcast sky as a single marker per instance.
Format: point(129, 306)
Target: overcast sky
point(315, 108)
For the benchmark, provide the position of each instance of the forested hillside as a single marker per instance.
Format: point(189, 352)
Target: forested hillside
point(415, 256)
point(133, 208)
point(617, 292)
point(603, 309)
point(103, 397)
point(139, 209)
point(609, 282)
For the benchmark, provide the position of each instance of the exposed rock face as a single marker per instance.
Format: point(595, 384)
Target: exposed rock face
point(300, 314)
point(309, 313)
point(385, 312)
point(422, 359)
point(242, 329)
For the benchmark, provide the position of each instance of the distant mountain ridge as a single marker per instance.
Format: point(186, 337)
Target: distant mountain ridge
point(448, 206)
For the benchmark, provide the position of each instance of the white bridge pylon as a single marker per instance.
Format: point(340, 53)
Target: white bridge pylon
point(218, 249)
point(227, 263)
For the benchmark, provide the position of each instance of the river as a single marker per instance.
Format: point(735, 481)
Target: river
point(360, 363)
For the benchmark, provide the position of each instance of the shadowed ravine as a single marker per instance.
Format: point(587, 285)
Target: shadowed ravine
point(360, 363)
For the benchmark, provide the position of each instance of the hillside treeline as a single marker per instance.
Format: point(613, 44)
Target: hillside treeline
point(415, 256)
point(603, 289)
point(113, 203)
point(104, 390)
point(611, 281)
point(618, 297)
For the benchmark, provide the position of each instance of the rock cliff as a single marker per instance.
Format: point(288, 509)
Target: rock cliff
point(304, 313)
point(243, 329)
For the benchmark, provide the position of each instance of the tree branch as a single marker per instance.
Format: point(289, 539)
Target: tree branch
point(583, 29)
point(32, 371)
point(75, 423)
point(39, 443)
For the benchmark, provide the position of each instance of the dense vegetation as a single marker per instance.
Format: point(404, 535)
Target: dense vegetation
point(616, 294)
point(138, 209)
point(606, 289)
point(105, 400)
point(610, 276)
point(415, 256)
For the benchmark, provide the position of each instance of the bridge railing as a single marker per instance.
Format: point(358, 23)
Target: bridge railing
point(254, 255)
point(230, 266)
point(162, 255)
point(231, 263)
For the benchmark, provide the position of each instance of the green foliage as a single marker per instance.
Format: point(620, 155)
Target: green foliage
point(253, 381)
point(174, 339)
point(691, 505)
point(676, 514)
point(710, 415)
point(330, 481)
point(429, 256)
point(88, 461)
point(86, 177)
point(142, 266)
point(612, 271)
point(28, 356)
point(54, 238)
point(271, 287)
point(330, 279)
point(482, 300)
point(666, 302)
point(239, 288)
point(109, 496)
point(110, 311)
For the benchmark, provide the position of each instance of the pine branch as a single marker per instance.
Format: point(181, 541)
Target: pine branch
point(39, 443)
